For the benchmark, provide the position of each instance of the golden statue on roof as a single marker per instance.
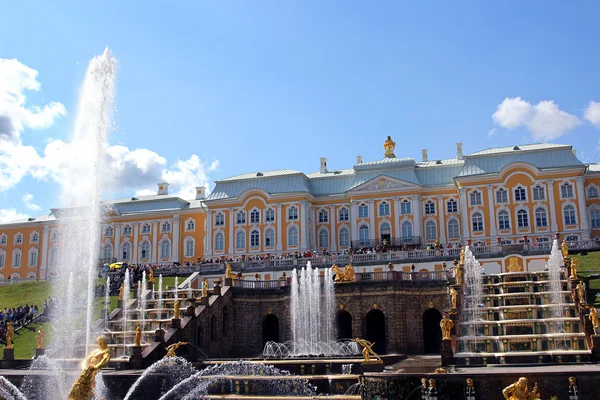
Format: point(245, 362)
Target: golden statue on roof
point(389, 145)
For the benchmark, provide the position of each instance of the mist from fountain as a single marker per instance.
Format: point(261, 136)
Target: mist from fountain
point(9, 391)
point(46, 385)
point(554, 266)
point(79, 224)
point(160, 292)
point(473, 296)
point(107, 302)
point(172, 369)
point(125, 309)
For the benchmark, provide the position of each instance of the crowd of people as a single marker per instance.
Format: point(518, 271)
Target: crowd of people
point(18, 316)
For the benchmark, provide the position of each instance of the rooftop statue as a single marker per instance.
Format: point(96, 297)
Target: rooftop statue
point(520, 391)
point(389, 145)
point(83, 387)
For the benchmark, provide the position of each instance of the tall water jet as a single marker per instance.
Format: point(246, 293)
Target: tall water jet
point(554, 266)
point(473, 275)
point(79, 224)
point(107, 303)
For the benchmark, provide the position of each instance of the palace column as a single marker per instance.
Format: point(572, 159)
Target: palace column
point(279, 228)
point(230, 232)
point(304, 225)
point(442, 219)
point(464, 213)
point(372, 234)
point(553, 222)
point(154, 241)
point(583, 221)
point(118, 242)
point(208, 250)
point(396, 216)
point(134, 245)
point(44, 237)
point(353, 229)
point(492, 213)
point(175, 252)
point(418, 220)
point(332, 244)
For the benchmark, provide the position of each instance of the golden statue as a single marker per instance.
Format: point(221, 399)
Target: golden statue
point(573, 391)
point(205, 288)
point(513, 265)
point(172, 348)
point(121, 291)
point(40, 337)
point(594, 318)
point(574, 266)
point(151, 275)
point(453, 295)
point(83, 387)
point(462, 256)
point(339, 275)
point(10, 335)
point(431, 382)
point(176, 307)
point(446, 324)
point(470, 389)
point(349, 273)
point(458, 273)
point(228, 273)
point(520, 391)
point(581, 292)
point(138, 335)
point(564, 248)
point(389, 145)
point(367, 349)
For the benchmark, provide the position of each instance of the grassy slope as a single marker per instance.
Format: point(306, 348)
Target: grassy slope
point(25, 293)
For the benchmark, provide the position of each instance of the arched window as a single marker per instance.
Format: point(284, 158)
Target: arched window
point(430, 208)
point(107, 251)
point(431, 230)
point(343, 214)
point(109, 231)
point(344, 237)
point(269, 238)
point(293, 213)
point(451, 206)
point(477, 222)
point(541, 219)
point(475, 198)
point(363, 235)
point(566, 191)
point(363, 211)
point(569, 213)
point(35, 237)
point(219, 219)
point(32, 276)
point(323, 239)
point(166, 227)
point(522, 219)
point(384, 208)
point(592, 192)
point(240, 217)
point(2, 259)
point(146, 228)
point(254, 238)
point(520, 194)
point(453, 230)
point(16, 258)
point(595, 219)
point(3, 239)
point(269, 215)
point(53, 259)
point(189, 247)
point(145, 250)
point(126, 251)
point(255, 217)
point(33, 257)
point(323, 216)
point(405, 207)
point(219, 241)
point(127, 229)
point(503, 220)
point(18, 238)
point(293, 236)
point(165, 249)
point(407, 230)
point(240, 240)
point(190, 225)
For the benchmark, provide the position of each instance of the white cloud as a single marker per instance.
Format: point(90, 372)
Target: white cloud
point(592, 113)
point(10, 215)
point(545, 120)
point(124, 170)
point(26, 199)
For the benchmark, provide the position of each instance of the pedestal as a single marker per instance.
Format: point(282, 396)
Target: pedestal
point(136, 357)
point(203, 301)
point(372, 366)
point(595, 348)
point(447, 353)
point(190, 311)
point(217, 290)
point(119, 303)
point(159, 335)
point(228, 282)
point(149, 285)
point(176, 323)
point(39, 352)
point(9, 354)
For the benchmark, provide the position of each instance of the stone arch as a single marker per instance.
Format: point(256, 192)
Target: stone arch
point(375, 332)
point(432, 335)
point(343, 325)
point(213, 328)
point(270, 329)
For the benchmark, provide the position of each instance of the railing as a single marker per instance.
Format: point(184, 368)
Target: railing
point(241, 283)
point(389, 242)
point(404, 276)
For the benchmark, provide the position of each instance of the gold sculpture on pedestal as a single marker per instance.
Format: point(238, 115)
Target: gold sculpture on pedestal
point(138, 335)
point(349, 273)
point(151, 275)
point(389, 145)
point(343, 276)
point(581, 292)
point(121, 291)
point(574, 266)
point(40, 337)
point(446, 325)
point(594, 318)
point(520, 391)
point(458, 272)
point(176, 307)
point(367, 351)
point(462, 256)
point(83, 387)
point(172, 348)
point(564, 249)
point(453, 295)
point(10, 335)
point(205, 288)
point(228, 273)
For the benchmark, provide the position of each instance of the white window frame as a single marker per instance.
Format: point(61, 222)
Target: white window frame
point(240, 240)
point(292, 213)
point(523, 223)
point(343, 214)
point(363, 210)
point(19, 238)
point(537, 189)
point(477, 225)
point(240, 217)
point(406, 207)
point(165, 227)
point(543, 217)
point(269, 238)
point(429, 208)
point(323, 239)
point(33, 257)
point(126, 255)
point(590, 194)
point(144, 250)
point(146, 229)
point(503, 220)
point(269, 215)
point(361, 233)
point(323, 216)
point(501, 196)
point(254, 238)
point(595, 219)
point(292, 236)
point(187, 251)
point(384, 208)
point(127, 230)
point(572, 218)
point(567, 191)
point(520, 194)
point(255, 216)
point(3, 239)
point(34, 237)
point(475, 198)
point(451, 234)
point(17, 258)
point(219, 219)
point(344, 235)
point(430, 230)
point(190, 225)
point(219, 241)
point(407, 227)
point(165, 244)
point(451, 206)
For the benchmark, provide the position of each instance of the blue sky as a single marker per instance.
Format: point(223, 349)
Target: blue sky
point(213, 89)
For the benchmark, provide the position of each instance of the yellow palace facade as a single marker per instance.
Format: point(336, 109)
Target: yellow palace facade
point(495, 196)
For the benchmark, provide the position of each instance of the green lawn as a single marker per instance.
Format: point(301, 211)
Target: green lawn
point(588, 264)
point(26, 339)
point(18, 294)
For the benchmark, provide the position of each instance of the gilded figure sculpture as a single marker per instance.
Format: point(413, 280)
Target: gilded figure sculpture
point(172, 348)
point(10, 335)
point(594, 318)
point(228, 273)
point(176, 307)
point(462, 256)
point(458, 273)
point(513, 265)
point(367, 351)
point(339, 275)
point(138, 335)
point(574, 266)
point(349, 273)
point(446, 325)
point(40, 338)
point(389, 145)
point(573, 390)
point(151, 275)
point(205, 288)
point(564, 248)
point(121, 291)
point(520, 391)
point(470, 389)
point(453, 295)
point(581, 292)
point(83, 387)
